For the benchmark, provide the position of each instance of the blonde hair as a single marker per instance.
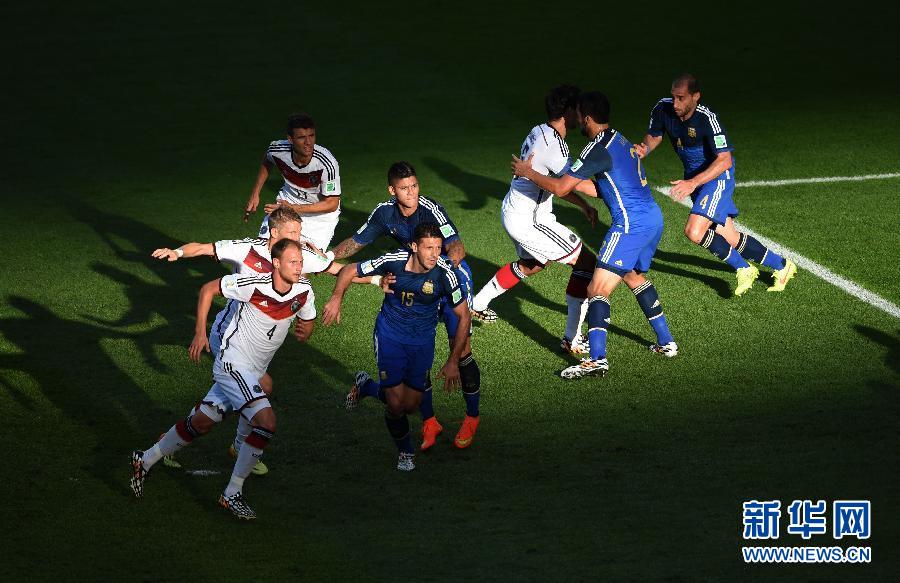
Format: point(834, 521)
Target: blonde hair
point(283, 215)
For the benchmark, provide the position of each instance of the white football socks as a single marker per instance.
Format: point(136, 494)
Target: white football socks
point(167, 445)
point(486, 295)
point(247, 458)
point(243, 430)
point(576, 313)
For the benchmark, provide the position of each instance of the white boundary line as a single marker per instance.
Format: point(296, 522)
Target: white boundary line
point(859, 178)
point(809, 265)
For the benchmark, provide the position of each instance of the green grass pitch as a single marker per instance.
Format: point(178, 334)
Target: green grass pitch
point(128, 127)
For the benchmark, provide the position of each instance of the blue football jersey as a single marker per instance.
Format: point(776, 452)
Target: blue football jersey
point(614, 165)
point(386, 219)
point(697, 140)
point(410, 313)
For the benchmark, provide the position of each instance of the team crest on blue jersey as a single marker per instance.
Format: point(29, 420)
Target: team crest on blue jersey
point(428, 287)
point(692, 133)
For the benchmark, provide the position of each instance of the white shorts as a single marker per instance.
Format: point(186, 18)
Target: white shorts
point(236, 389)
point(541, 237)
point(317, 229)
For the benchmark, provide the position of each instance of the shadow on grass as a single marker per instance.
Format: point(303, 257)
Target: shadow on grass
point(72, 366)
point(476, 188)
point(174, 301)
point(891, 343)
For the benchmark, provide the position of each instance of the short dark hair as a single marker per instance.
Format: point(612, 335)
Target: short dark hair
point(693, 85)
point(300, 120)
point(280, 247)
point(400, 170)
point(594, 104)
point(561, 99)
point(427, 230)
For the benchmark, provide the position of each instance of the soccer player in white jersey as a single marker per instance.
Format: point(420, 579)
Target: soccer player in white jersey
point(267, 305)
point(252, 256)
point(312, 181)
point(529, 220)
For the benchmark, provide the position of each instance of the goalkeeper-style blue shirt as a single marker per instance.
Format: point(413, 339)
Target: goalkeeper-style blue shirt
point(697, 140)
point(410, 314)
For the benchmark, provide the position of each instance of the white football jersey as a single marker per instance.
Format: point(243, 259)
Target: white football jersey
point(551, 155)
point(263, 318)
point(312, 183)
point(245, 256)
point(252, 255)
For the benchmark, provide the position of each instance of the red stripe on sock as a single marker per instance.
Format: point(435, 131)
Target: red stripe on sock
point(506, 278)
point(255, 440)
point(183, 433)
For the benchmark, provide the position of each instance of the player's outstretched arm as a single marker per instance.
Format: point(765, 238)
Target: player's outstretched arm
point(261, 177)
point(328, 205)
point(186, 250)
point(682, 188)
point(200, 342)
point(648, 145)
point(559, 186)
point(346, 248)
point(331, 313)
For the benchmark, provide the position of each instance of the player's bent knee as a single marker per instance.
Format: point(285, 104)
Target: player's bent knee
point(530, 266)
point(694, 233)
point(393, 400)
point(264, 418)
point(205, 416)
point(634, 279)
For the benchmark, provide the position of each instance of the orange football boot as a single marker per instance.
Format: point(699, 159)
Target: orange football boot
point(430, 430)
point(466, 432)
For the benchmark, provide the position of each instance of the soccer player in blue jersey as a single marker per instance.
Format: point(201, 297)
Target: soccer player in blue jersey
point(398, 217)
point(406, 326)
point(706, 151)
point(628, 247)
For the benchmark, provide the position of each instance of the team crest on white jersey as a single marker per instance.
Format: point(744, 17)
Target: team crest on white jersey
point(296, 305)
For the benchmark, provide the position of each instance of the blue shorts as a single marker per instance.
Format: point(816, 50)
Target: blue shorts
point(448, 317)
point(400, 362)
point(714, 199)
point(621, 252)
